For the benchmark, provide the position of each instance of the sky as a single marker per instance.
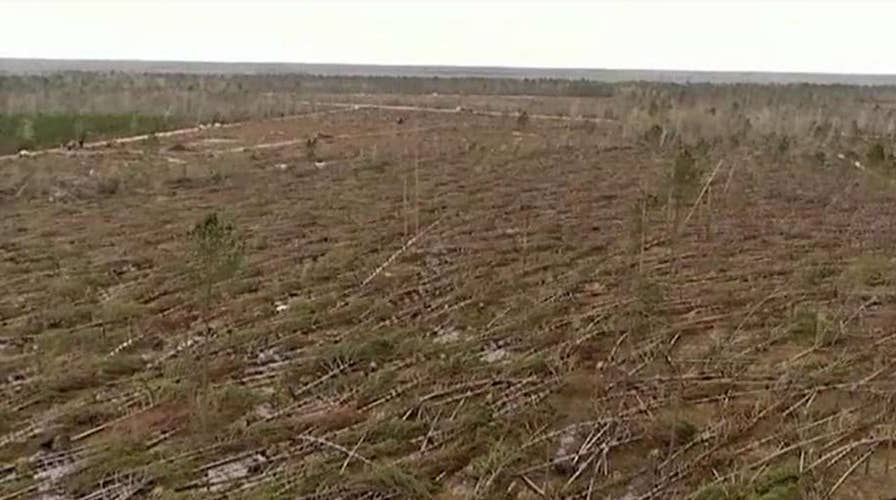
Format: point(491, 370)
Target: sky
point(722, 35)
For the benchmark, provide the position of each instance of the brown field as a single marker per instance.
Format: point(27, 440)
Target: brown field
point(461, 305)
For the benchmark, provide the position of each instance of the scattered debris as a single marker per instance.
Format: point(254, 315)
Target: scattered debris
point(591, 391)
point(53, 466)
point(123, 267)
point(447, 335)
point(494, 354)
point(121, 347)
point(8, 473)
point(58, 194)
point(6, 342)
point(564, 459)
point(264, 411)
point(218, 477)
point(268, 356)
point(215, 140)
point(16, 381)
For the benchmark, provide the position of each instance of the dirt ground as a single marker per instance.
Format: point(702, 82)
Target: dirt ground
point(451, 305)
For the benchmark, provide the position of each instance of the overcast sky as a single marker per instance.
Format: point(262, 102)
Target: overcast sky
point(810, 36)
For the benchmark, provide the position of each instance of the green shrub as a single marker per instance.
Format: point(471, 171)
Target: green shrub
point(684, 179)
point(811, 324)
point(783, 145)
point(120, 366)
point(391, 479)
point(876, 154)
point(870, 270)
point(712, 492)
point(653, 135)
point(684, 431)
point(116, 311)
point(67, 315)
point(778, 484)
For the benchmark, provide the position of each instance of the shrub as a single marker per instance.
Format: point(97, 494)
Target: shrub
point(783, 145)
point(813, 325)
point(116, 311)
point(522, 119)
point(67, 315)
point(869, 271)
point(653, 135)
point(120, 366)
point(778, 484)
point(684, 182)
point(391, 479)
point(311, 148)
point(108, 185)
point(712, 492)
point(217, 251)
point(684, 431)
point(876, 154)
point(217, 254)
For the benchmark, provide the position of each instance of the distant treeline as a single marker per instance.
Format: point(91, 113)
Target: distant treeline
point(75, 84)
point(45, 109)
point(41, 110)
point(50, 66)
point(298, 83)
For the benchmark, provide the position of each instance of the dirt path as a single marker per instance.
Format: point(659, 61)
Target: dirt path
point(402, 107)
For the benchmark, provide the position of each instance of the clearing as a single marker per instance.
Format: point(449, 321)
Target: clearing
point(445, 304)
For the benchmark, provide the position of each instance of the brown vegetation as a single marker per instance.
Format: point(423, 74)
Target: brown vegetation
point(664, 304)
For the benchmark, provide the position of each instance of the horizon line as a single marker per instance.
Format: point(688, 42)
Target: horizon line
point(462, 66)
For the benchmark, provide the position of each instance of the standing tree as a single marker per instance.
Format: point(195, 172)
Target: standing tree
point(522, 120)
point(217, 255)
point(684, 182)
